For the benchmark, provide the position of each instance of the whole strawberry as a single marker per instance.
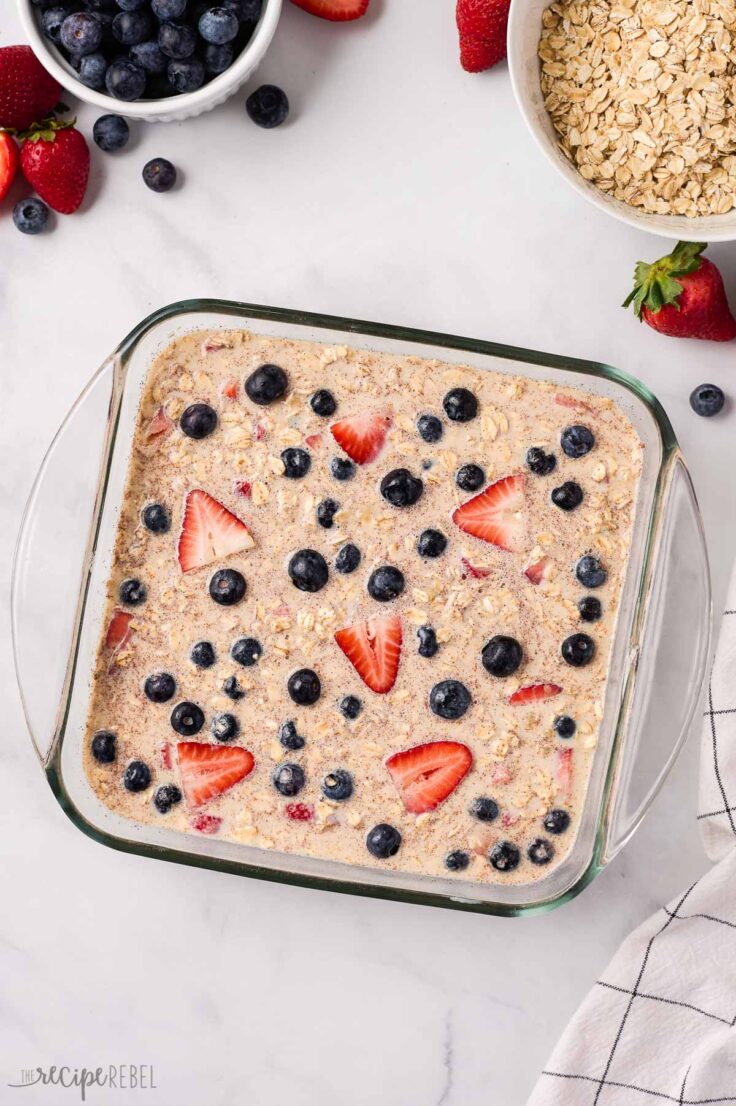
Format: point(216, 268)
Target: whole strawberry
point(55, 160)
point(481, 25)
point(27, 91)
point(682, 295)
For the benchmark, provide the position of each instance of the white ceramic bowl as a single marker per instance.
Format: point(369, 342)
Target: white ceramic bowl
point(525, 25)
point(155, 111)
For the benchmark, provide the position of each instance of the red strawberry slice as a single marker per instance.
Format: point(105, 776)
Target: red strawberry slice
point(534, 693)
point(425, 775)
point(338, 11)
point(157, 428)
point(9, 159)
point(374, 650)
point(164, 750)
point(473, 570)
point(119, 632)
point(209, 770)
point(563, 770)
point(314, 441)
point(362, 436)
point(230, 388)
point(496, 514)
point(209, 532)
point(536, 572)
point(299, 812)
point(206, 823)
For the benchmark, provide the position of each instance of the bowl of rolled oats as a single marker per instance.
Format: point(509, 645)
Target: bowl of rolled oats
point(634, 102)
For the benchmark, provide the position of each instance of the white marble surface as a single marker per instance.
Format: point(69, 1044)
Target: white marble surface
point(401, 190)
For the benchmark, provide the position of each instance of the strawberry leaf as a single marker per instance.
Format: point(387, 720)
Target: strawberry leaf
point(656, 284)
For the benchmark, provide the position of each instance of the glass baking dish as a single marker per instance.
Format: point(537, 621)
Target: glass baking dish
point(64, 553)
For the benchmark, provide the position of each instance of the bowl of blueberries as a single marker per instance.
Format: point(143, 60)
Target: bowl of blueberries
point(163, 60)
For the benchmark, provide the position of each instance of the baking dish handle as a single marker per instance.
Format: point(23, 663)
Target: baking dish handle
point(668, 665)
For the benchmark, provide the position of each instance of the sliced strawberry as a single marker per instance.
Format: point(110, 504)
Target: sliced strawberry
point(425, 775)
point(119, 632)
point(374, 650)
point(299, 812)
point(230, 388)
point(473, 570)
point(534, 693)
point(206, 823)
point(338, 11)
point(362, 436)
point(244, 487)
point(164, 750)
point(536, 572)
point(496, 514)
point(209, 770)
point(9, 159)
point(563, 770)
point(570, 401)
point(158, 427)
point(209, 532)
point(314, 441)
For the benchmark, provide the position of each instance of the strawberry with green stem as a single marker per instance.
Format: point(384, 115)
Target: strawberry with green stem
point(54, 159)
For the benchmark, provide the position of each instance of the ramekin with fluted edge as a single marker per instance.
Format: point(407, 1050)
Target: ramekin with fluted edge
point(172, 108)
point(524, 30)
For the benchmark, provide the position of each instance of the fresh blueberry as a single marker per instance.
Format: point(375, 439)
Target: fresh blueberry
point(289, 779)
point(289, 737)
point(564, 726)
point(232, 689)
point(707, 400)
point(385, 583)
point(225, 727)
point(166, 797)
point(383, 841)
point(326, 511)
point(268, 106)
point(247, 11)
point(227, 586)
point(160, 176)
point(308, 570)
point(502, 655)
point(185, 74)
point(52, 21)
point(347, 559)
point(132, 28)
point(576, 441)
point(431, 543)
point(568, 496)
point(351, 707)
point(578, 650)
point(504, 857)
point(92, 70)
point(218, 25)
point(166, 10)
point(470, 477)
point(400, 488)
point(337, 785)
point(266, 384)
point(484, 809)
point(304, 687)
point(30, 216)
point(217, 58)
point(590, 608)
point(160, 687)
point(449, 699)
point(137, 776)
point(155, 517)
point(430, 428)
point(590, 572)
point(198, 420)
point(297, 462)
point(557, 821)
point(104, 747)
point(323, 403)
point(187, 719)
point(202, 654)
point(342, 469)
point(125, 80)
point(149, 56)
point(132, 592)
point(428, 644)
point(460, 405)
point(177, 40)
point(81, 33)
point(246, 651)
point(128, 5)
point(539, 462)
point(540, 851)
point(457, 861)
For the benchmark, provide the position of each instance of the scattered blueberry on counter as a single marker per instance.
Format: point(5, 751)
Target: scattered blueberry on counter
point(707, 400)
point(159, 174)
point(31, 215)
point(268, 106)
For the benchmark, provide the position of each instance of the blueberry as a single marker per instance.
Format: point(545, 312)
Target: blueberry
point(430, 428)
point(246, 651)
point(449, 699)
point(247, 11)
point(383, 841)
point(308, 570)
point(266, 384)
point(557, 821)
point(160, 176)
point(168, 9)
point(304, 687)
point(155, 517)
point(460, 405)
point(431, 543)
point(502, 655)
point(539, 462)
point(351, 707)
point(30, 216)
point(590, 572)
point(347, 559)
point(297, 462)
point(288, 779)
point(227, 587)
point(428, 644)
point(707, 400)
point(232, 689)
point(81, 33)
point(457, 861)
point(484, 809)
point(132, 28)
point(568, 496)
point(578, 650)
point(400, 488)
point(92, 70)
point(337, 785)
point(160, 687)
point(130, 5)
point(177, 40)
point(187, 719)
point(218, 25)
point(564, 726)
point(104, 747)
point(125, 80)
point(470, 477)
point(576, 441)
point(590, 608)
point(268, 106)
point(342, 469)
point(540, 851)
point(217, 58)
point(51, 23)
point(132, 592)
point(149, 56)
point(385, 583)
point(137, 776)
point(198, 420)
point(326, 511)
point(504, 857)
point(166, 797)
point(289, 737)
point(225, 727)
point(202, 654)
point(185, 74)
point(323, 403)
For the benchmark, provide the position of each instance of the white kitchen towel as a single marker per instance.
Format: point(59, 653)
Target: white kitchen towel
point(660, 1025)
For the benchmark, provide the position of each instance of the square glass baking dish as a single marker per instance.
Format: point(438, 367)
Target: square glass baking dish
point(64, 553)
